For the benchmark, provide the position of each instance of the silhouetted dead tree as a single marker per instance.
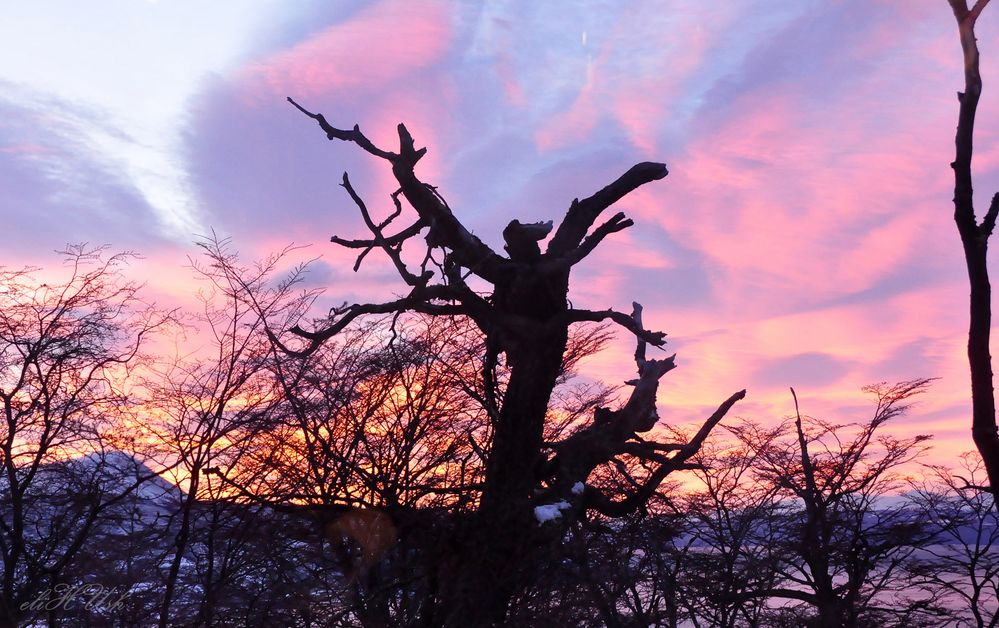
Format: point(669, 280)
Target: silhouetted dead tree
point(528, 497)
point(975, 238)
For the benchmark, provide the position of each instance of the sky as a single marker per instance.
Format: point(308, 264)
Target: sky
point(804, 236)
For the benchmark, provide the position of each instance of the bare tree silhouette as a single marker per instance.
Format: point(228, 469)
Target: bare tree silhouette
point(66, 352)
point(975, 239)
point(531, 492)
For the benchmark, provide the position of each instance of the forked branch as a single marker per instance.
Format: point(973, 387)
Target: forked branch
point(616, 432)
point(414, 303)
point(618, 508)
point(583, 213)
point(444, 229)
point(656, 338)
point(394, 252)
point(616, 223)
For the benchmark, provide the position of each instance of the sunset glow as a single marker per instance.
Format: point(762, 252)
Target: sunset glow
point(804, 236)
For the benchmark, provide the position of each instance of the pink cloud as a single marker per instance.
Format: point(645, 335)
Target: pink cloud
point(25, 149)
point(508, 79)
point(376, 46)
point(572, 125)
point(788, 198)
point(624, 249)
point(809, 184)
point(636, 90)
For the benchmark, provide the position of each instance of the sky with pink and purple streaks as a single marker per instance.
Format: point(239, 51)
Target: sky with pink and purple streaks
point(803, 237)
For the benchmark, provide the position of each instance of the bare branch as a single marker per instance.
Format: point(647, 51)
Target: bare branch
point(392, 252)
point(645, 451)
point(619, 508)
point(656, 338)
point(612, 432)
point(354, 135)
point(445, 230)
point(617, 223)
point(806, 461)
point(395, 240)
point(964, 213)
point(582, 214)
point(352, 312)
point(968, 485)
point(654, 446)
point(461, 301)
point(392, 240)
point(989, 222)
point(977, 10)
